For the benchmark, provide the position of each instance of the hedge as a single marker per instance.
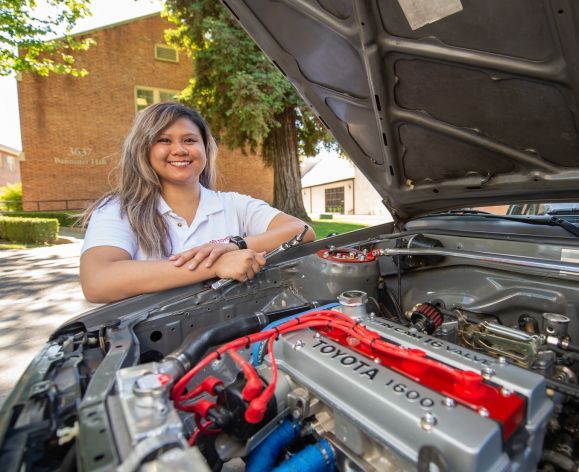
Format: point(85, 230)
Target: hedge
point(28, 230)
point(64, 219)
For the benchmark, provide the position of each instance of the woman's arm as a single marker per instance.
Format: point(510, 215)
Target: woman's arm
point(282, 228)
point(108, 273)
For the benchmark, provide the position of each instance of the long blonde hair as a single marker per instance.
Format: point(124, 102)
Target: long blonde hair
point(139, 188)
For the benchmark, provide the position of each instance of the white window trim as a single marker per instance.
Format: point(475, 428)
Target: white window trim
point(156, 94)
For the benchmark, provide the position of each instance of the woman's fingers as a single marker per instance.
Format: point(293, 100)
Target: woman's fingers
point(183, 257)
point(215, 254)
point(201, 255)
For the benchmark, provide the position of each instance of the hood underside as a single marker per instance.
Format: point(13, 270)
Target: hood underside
point(440, 103)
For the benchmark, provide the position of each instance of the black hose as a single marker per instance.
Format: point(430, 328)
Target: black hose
point(568, 389)
point(571, 356)
point(572, 348)
point(199, 341)
point(559, 460)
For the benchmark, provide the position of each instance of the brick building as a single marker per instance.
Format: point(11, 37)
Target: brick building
point(73, 128)
point(9, 165)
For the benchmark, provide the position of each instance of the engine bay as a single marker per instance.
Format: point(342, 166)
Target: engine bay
point(398, 352)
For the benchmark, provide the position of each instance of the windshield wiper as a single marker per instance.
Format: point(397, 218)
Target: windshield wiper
point(462, 211)
point(564, 211)
point(553, 221)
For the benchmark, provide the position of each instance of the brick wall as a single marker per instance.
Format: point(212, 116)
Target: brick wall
point(73, 128)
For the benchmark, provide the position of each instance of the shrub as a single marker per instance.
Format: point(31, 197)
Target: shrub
point(64, 219)
point(326, 216)
point(28, 230)
point(11, 197)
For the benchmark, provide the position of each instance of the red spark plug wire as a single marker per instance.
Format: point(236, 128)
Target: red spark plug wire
point(253, 386)
point(465, 386)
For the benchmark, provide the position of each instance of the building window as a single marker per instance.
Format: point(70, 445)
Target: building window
point(166, 53)
point(145, 96)
point(11, 161)
point(335, 200)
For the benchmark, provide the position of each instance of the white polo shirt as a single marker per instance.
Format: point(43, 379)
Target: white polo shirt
point(220, 214)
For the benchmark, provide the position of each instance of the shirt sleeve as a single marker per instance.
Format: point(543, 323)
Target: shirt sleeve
point(255, 215)
point(107, 227)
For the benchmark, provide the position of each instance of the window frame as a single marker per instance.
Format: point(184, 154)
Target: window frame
point(343, 200)
point(156, 94)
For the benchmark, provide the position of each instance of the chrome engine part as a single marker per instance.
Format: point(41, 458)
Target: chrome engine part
point(400, 416)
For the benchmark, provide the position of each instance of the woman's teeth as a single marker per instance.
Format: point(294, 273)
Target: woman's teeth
point(180, 163)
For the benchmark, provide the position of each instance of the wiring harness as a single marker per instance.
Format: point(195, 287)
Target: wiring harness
point(466, 387)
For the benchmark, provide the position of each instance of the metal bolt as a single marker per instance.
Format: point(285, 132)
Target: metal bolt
point(505, 392)
point(487, 373)
point(449, 402)
point(377, 360)
point(483, 412)
point(372, 315)
point(428, 421)
point(317, 336)
point(296, 414)
point(502, 360)
point(298, 345)
point(359, 319)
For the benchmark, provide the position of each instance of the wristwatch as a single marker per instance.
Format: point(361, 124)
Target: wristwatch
point(238, 241)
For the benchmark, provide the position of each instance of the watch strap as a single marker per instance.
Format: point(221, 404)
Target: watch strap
point(238, 241)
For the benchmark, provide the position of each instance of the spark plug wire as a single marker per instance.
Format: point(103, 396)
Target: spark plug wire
point(467, 387)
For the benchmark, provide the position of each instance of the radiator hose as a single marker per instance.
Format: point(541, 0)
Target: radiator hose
point(317, 457)
point(264, 456)
point(199, 341)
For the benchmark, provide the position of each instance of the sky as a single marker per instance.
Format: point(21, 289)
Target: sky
point(104, 12)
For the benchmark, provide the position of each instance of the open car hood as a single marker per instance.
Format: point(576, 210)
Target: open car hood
point(440, 103)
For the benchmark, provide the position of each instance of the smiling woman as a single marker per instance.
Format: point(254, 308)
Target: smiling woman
point(164, 226)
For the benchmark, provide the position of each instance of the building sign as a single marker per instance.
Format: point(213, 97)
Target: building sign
point(79, 156)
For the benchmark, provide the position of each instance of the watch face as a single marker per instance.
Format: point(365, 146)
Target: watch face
point(239, 242)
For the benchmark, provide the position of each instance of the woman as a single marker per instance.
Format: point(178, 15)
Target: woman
point(164, 226)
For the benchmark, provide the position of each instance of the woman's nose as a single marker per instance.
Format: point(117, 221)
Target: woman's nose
point(177, 148)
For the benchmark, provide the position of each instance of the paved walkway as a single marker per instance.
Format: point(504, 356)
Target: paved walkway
point(39, 290)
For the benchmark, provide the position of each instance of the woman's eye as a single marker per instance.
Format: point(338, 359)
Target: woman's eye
point(163, 140)
point(190, 140)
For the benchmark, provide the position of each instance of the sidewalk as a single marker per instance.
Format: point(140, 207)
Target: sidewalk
point(39, 290)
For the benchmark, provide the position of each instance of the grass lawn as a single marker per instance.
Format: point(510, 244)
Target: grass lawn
point(12, 245)
point(323, 228)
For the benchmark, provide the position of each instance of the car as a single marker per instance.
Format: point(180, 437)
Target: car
point(444, 340)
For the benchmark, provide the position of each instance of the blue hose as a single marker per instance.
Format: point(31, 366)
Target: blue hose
point(264, 456)
point(259, 347)
point(315, 458)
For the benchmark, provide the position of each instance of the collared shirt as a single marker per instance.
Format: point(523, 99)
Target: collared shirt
point(220, 214)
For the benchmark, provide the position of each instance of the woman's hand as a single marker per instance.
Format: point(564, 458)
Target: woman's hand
point(241, 265)
point(208, 252)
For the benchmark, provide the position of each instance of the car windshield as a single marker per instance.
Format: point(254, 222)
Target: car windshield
point(531, 209)
point(543, 209)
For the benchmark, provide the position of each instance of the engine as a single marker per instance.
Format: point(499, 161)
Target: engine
point(344, 388)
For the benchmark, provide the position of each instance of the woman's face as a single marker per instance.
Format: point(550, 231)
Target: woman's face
point(178, 154)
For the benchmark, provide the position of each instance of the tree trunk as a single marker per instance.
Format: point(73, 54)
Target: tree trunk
point(287, 185)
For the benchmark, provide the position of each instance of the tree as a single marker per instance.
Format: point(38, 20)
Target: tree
point(29, 42)
point(244, 97)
